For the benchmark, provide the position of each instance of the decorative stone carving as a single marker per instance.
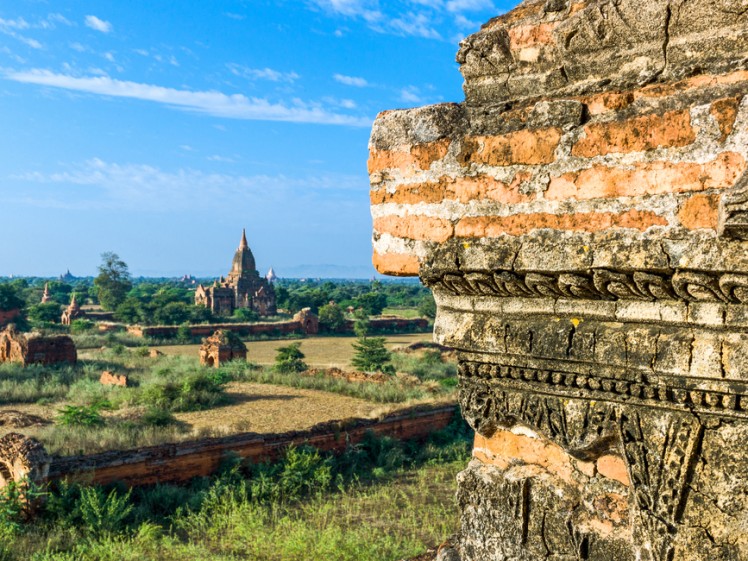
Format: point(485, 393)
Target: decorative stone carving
point(582, 220)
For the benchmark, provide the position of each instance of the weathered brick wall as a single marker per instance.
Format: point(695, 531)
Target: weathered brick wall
point(182, 461)
point(581, 219)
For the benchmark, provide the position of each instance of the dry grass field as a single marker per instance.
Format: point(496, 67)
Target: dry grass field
point(321, 352)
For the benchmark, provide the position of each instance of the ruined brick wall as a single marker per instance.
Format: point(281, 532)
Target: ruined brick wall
point(36, 349)
point(581, 219)
point(182, 461)
point(8, 316)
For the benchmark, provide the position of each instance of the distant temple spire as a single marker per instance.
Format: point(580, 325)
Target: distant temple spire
point(244, 244)
point(45, 296)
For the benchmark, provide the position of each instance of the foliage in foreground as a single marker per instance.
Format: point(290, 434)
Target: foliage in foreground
point(381, 499)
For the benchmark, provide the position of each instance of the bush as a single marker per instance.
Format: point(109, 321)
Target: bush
point(245, 315)
point(82, 415)
point(104, 515)
point(371, 355)
point(194, 392)
point(81, 325)
point(290, 359)
point(331, 317)
point(157, 417)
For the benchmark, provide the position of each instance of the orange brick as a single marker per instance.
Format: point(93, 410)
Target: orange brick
point(462, 189)
point(518, 224)
point(415, 227)
point(426, 192)
point(397, 264)
point(613, 467)
point(700, 211)
point(523, 36)
point(701, 81)
point(419, 156)
point(636, 135)
point(647, 178)
point(528, 147)
point(610, 101)
point(725, 111)
point(505, 448)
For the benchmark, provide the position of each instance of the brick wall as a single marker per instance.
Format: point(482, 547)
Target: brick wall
point(176, 462)
point(582, 220)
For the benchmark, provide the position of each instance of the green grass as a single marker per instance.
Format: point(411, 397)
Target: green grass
point(380, 500)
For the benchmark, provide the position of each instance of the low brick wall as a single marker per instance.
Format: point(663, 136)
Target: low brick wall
point(381, 325)
point(8, 316)
point(203, 330)
point(181, 461)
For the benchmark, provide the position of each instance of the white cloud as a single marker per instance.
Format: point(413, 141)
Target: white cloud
point(411, 94)
point(351, 80)
point(100, 184)
point(368, 10)
point(19, 24)
point(464, 23)
point(11, 27)
point(217, 104)
point(108, 56)
point(469, 5)
point(98, 24)
point(348, 103)
point(222, 159)
point(416, 25)
point(59, 18)
point(78, 47)
point(262, 73)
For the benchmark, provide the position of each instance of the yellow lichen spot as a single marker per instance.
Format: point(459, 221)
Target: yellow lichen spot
point(575, 322)
point(465, 245)
point(586, 248)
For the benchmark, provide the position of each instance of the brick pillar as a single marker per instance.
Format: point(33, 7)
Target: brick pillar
point(582, 220)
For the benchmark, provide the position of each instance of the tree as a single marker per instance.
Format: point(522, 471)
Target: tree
point(331, 317)
point(113, 282)
point(372, 302)
point(289, 359)
point(361, 324)
point(427, 307)
point(246, 315)
point(9, 298)
point(371, 355)
point(48, 312)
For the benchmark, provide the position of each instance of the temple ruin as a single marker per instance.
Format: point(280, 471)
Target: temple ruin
point(34, 348)
point(582, 220)
point(221, 347)
point(72, 312)
point(243, 288)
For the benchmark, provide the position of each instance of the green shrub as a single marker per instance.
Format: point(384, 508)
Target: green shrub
point(81, 326)
point(104, 515)
point(157, 417)
point(196, 391)
point(82, 415)
point(290, 359)
point(371, 355)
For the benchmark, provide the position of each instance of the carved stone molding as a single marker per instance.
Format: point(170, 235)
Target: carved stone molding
point(596, 284)
point(658, 439)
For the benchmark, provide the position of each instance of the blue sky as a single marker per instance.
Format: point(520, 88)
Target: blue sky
point(159, 129)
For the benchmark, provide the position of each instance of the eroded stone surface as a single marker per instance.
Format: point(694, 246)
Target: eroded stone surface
point(582, 221)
